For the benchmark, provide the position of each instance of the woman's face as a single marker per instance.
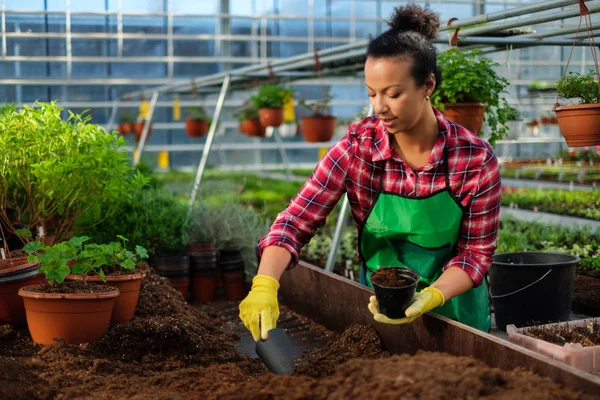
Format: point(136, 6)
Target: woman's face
point(396, 98)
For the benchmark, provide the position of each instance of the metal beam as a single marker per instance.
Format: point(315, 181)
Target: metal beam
point(209, 140)
point(137, 155)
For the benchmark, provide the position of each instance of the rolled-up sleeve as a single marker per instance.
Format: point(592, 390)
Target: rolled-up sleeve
point(308, 210)
point(479, 226)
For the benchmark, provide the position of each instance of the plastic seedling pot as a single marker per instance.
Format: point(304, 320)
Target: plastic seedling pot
point(574, 354)
point(394, 290)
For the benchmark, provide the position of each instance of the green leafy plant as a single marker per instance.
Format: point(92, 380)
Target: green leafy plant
point(541, 86)
point(127, 118)
point(271, 96)
point(151, 218)
point(586, 88)
point(247, 111)
point(197, 113)
point(467, 77)
point(319, 108)
point(54, 260)
point(53, 171)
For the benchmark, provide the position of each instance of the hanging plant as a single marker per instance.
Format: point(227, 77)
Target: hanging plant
point(471, 93)
point(269, 101)
point(197, 122)
point(319, 126)
point(249, 121)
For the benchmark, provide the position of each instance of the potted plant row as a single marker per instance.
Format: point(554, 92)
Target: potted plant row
point(471, 93)
point(73, 306)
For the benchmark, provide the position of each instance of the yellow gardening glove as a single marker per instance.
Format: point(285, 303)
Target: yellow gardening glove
point(259, 311)
point(427, 299)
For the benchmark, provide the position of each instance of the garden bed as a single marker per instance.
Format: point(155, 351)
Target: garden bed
point(171, 349)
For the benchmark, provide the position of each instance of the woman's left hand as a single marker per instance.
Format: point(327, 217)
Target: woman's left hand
point(427, 299)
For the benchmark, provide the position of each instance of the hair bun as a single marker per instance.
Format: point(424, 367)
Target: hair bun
point(412, 17)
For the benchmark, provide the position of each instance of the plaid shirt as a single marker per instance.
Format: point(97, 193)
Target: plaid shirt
point(354, 166)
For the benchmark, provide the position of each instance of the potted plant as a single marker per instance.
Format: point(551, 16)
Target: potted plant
point(54, 170)
point(197, 122)
point(126, 124)
point(139, 129)
point(471, 91)
point(249, 122)
point(579, 123)
point(269, 101)
point(77, 312)
point(115, 265)
point(320, 126)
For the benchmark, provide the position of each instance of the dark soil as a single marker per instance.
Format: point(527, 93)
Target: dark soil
point(389, 277)
point(562, 334)
point(68, 287)
point(170, 350)
point(587, 289)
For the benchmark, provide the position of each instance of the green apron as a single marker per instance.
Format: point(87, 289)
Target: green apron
point(421, 233)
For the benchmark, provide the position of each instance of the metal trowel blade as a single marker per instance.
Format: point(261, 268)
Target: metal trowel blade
point(276, 352)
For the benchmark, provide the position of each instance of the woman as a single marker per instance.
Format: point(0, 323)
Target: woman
point(424, 191)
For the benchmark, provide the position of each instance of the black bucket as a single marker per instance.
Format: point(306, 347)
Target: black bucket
point(532, 287)
point(173, 267)
point(393, 301)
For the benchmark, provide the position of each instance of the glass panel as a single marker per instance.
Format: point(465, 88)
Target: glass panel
point(144, 48)
point(240, 7)
point(144, 24)
point(138, 6)
point(340, 29)
point(264, 6)
point(195, 7)
point(31, 93)
point(84, 24)
point(24, 5)
point(194, 48)
point(294, 28)
point(294, 7)
point(194, 25)
point(289, 49)
point(138, 70)
point(88, 5)
point(57, 70)
point(366, 9)
point(88, 48)
point(26, 47)
point(341, 8)
point(190, 69)
point(89, 70)
point(25, 23)
point(241, 48)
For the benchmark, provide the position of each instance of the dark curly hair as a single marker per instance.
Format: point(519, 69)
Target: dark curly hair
point(412, 29)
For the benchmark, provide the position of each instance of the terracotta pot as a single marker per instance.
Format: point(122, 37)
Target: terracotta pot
point(138, 128)
point(13, 276)
point(204, 287)
point(270, 116)
point(182, 286)
point(579, 124)
point(129, 287)
point(75, 318)
point(234, 285)
point(252, 127)
point(125, 128)
point(196, 127)
point(318, 129)
point(468, 115)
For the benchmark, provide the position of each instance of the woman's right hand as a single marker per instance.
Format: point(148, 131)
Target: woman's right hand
point(259, 311)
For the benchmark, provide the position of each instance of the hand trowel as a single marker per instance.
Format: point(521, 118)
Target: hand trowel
point(276, 352)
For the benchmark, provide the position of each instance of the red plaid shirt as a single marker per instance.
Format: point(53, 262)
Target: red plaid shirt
point(354, 166)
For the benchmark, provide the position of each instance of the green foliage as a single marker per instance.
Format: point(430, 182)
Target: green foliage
point(271, 96)
point(57, 170)
point(586, 88)
point(581, 203)
point(150, 217)
point(229, 223)
point(466, 77)
point(53, 260)
point(127, 117)
point(197, 113)
point(247, 111)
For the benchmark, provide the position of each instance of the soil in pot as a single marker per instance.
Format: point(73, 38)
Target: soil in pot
point(586, 294)
point(76, 312)
point(562, 334)
point(394, 289)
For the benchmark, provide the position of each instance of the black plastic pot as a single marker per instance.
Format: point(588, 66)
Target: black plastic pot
point(393, 301)
point(175, 267)
point(532, 287)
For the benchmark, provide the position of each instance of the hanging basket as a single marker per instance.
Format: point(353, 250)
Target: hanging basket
point(196, 127)
point(318, 129)
point(580, 123)
point(270, 116)
point(252, 127)
point(467, 115)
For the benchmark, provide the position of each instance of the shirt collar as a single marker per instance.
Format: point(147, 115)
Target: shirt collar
point(383, 148)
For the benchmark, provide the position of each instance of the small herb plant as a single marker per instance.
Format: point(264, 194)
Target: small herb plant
point(466, 77)
point(577, 86)
point(248, 111)
point(319, 108)
point(197, 113)
point(76, 257)
point(54, 260)
point(271, 96)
